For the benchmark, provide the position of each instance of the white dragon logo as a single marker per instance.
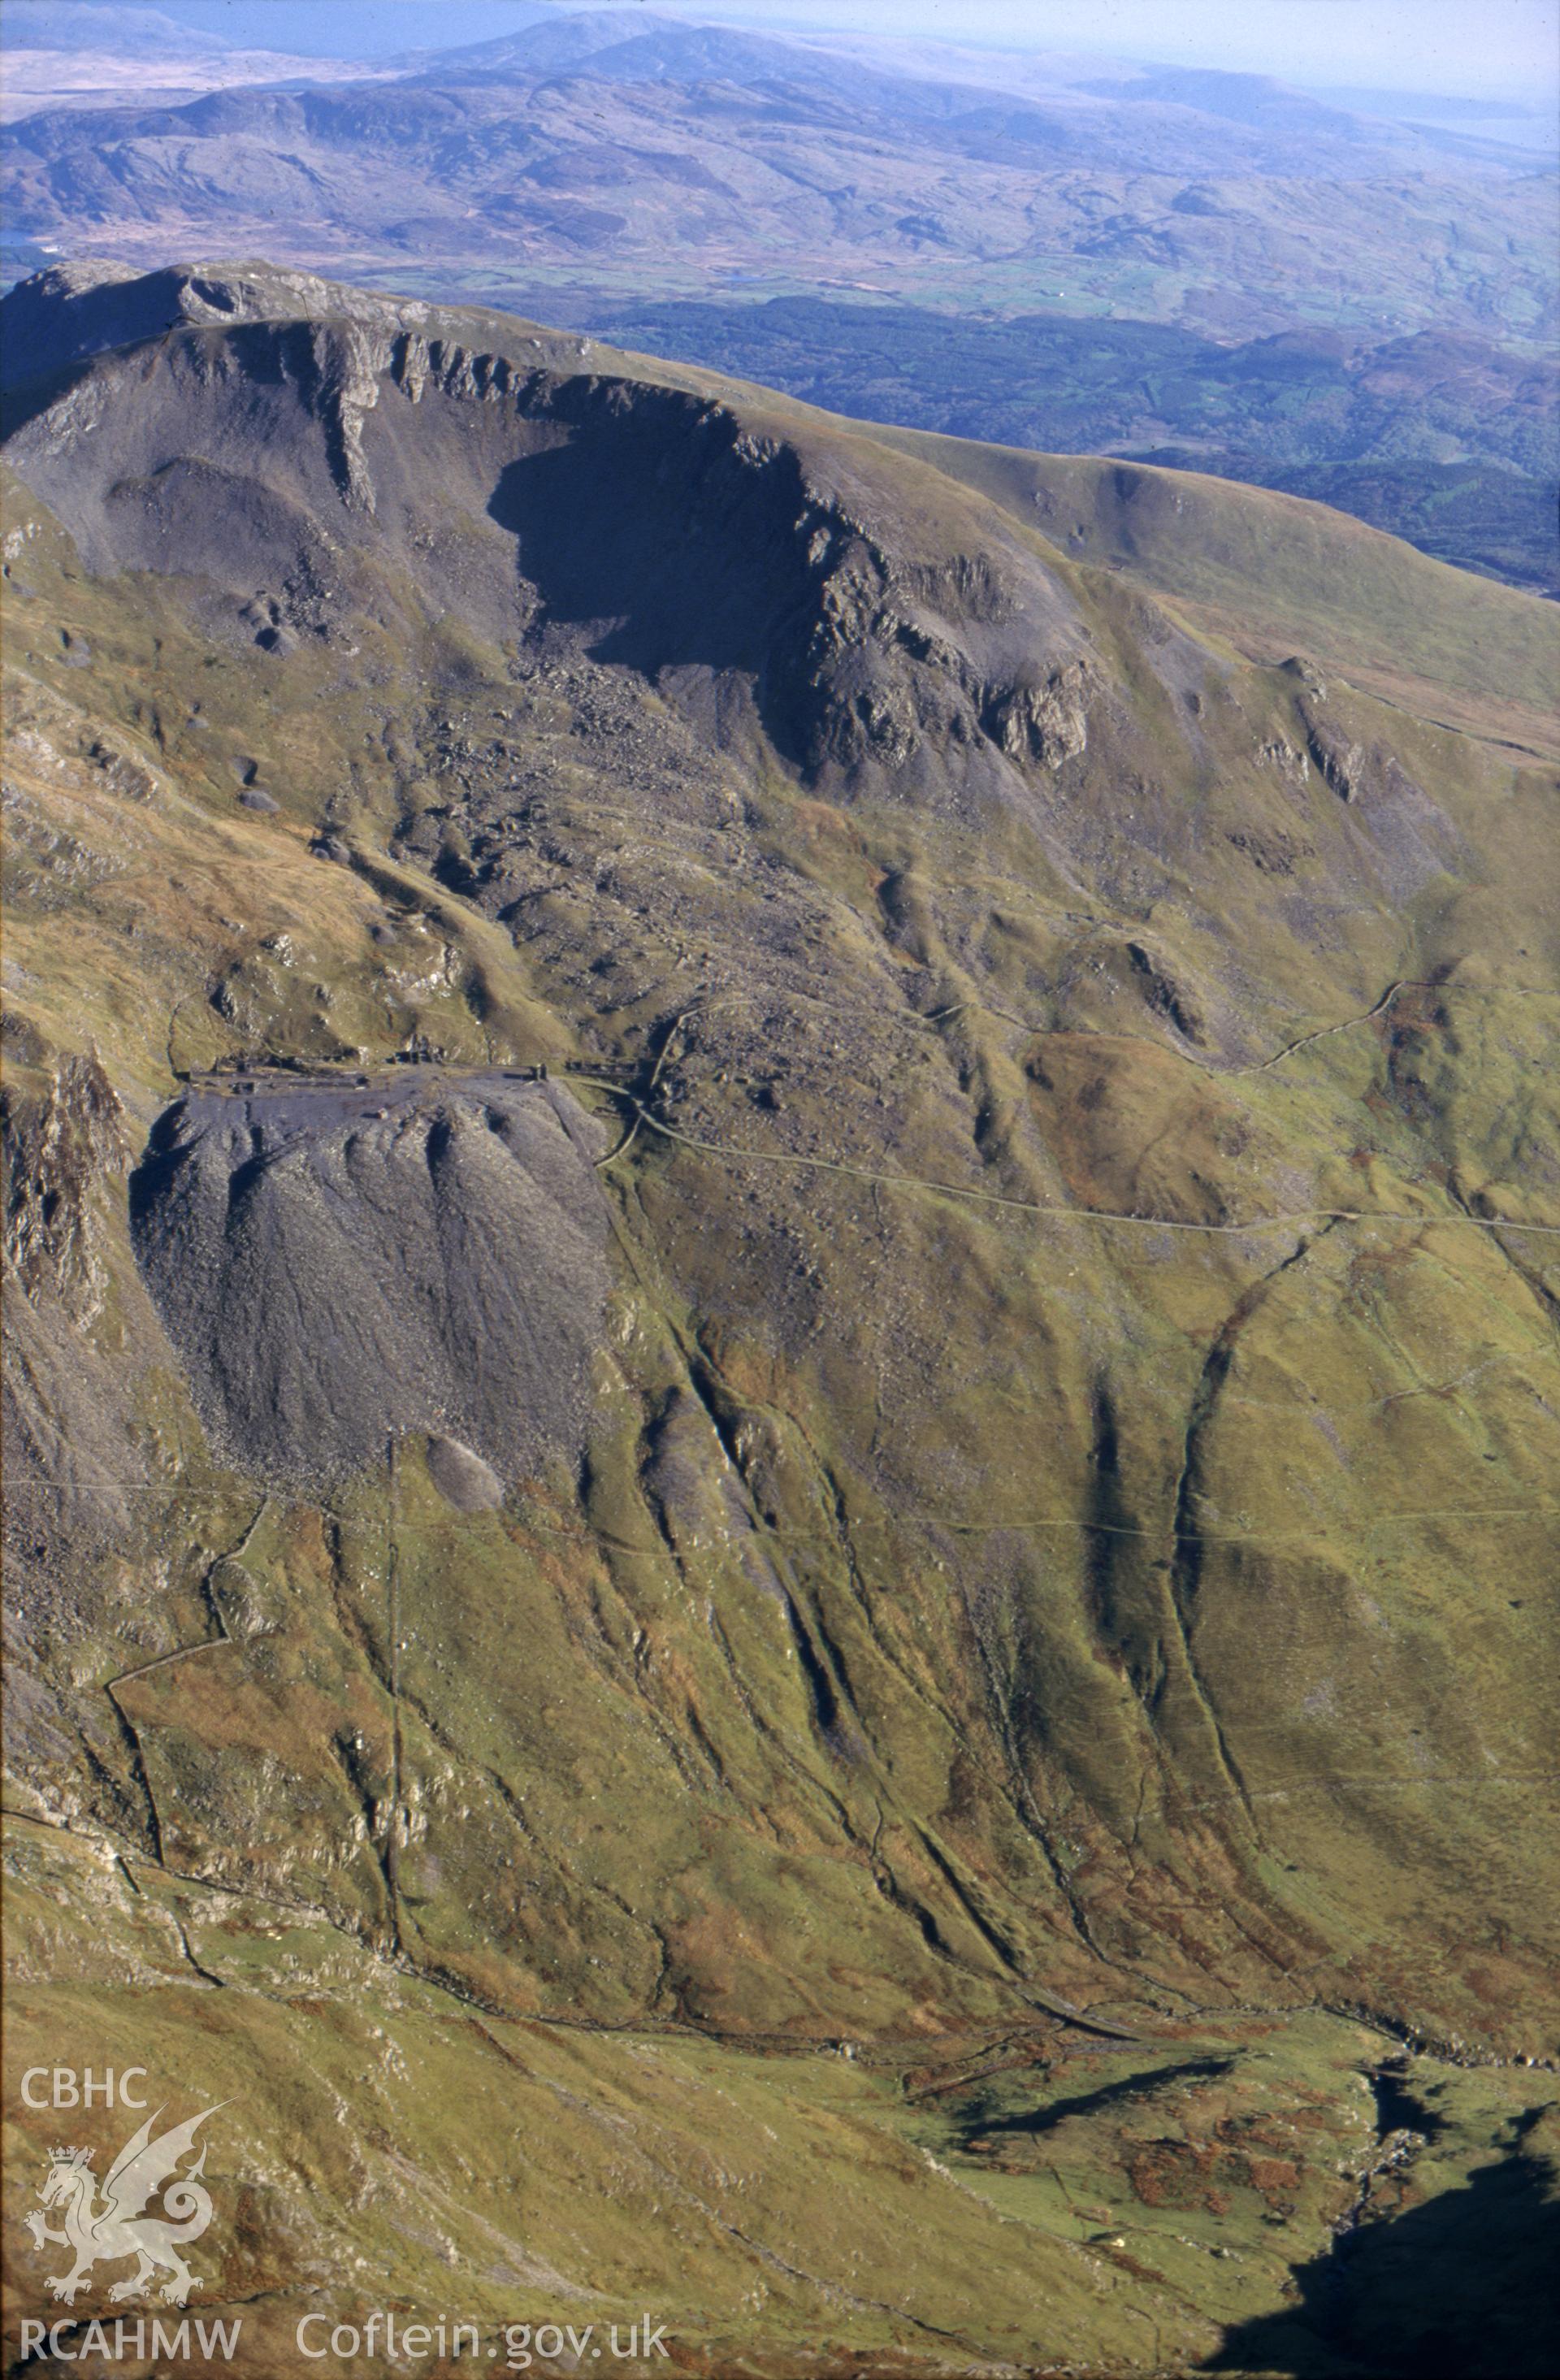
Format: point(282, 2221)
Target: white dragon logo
point(119, 2227)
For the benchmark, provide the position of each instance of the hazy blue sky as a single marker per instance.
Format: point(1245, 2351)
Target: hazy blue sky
point(1454, 45)
point(1511, 48)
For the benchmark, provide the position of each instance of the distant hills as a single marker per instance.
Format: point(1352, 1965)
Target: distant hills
point(644, 151)
point(1446, 440)
point(1022, 233)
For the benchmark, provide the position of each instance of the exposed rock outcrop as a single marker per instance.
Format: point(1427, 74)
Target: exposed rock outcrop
point(57, 1151)
point(1047, 722)
point(640, 523)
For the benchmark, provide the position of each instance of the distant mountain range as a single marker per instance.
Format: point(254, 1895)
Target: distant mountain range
point(614, 142)
point(1034, 225)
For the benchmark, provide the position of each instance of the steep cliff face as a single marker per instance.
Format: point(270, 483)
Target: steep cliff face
point(307, 469)
point(59, 1145)
point(973, 1464)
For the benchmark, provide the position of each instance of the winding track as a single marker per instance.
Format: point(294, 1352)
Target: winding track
point(1293, 1219)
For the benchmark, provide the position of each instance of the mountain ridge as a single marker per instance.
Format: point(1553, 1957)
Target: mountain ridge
point(1019, 226)
point(995, 225)
point(1512, 663)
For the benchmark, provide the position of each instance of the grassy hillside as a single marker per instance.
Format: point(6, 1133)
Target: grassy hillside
point(915, 1810)
point(1447, 442)
point(1280, 575)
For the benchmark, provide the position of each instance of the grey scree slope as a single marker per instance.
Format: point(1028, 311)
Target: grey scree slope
point(336, 1266)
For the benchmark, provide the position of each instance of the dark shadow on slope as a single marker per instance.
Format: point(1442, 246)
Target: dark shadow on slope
point(675, 542)
point(1093, 2103)
point(1468, 2283)
point(1399, 2107)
